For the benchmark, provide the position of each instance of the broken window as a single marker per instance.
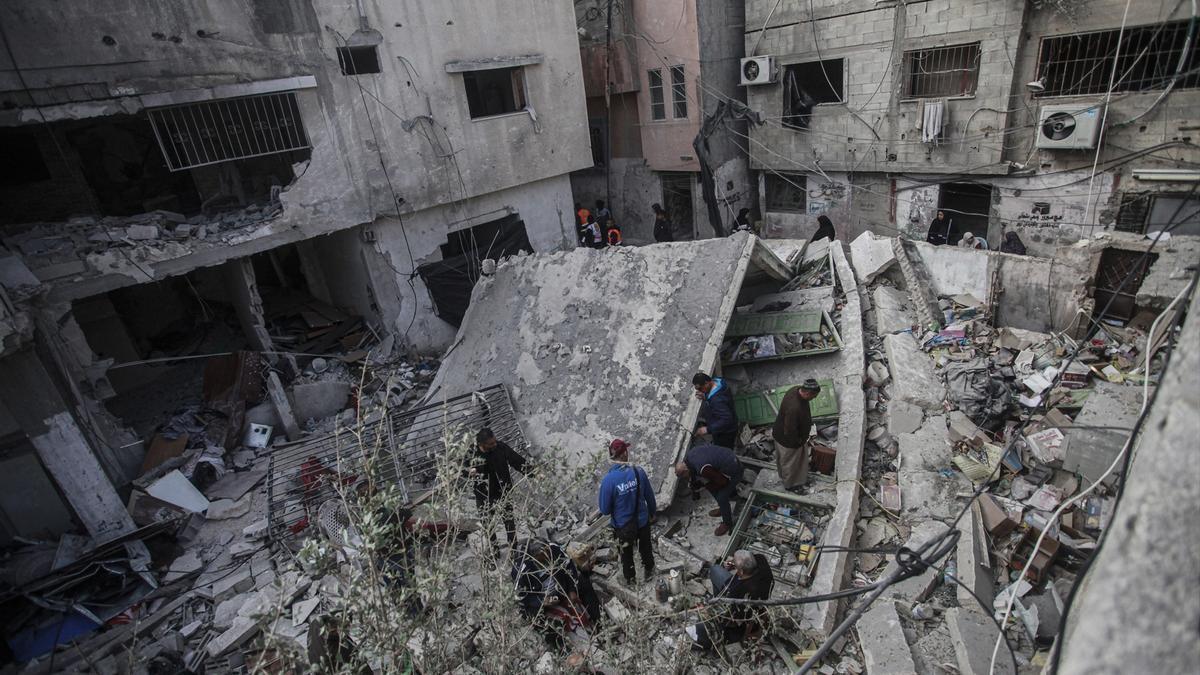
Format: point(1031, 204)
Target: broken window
point(497, 91)
point(451, 279)
point(941, 71)
point(658, 105)
point(679, 92)
point(787, 192)
point(1147, 57)
point(1147, 212)
point(23, 163)
point(358, 60)
point(807, 84)
point(199, 134)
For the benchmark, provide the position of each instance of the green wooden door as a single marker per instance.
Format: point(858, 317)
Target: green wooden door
point(754, 408)
point(774, 323)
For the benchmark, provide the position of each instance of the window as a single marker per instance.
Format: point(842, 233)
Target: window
point(497, 91)
point(358, 60)
point(658, 106)
point(942, 71)
point(787, 192)
point(678, 92)
point(807, 84)
point(1145, 212)
point(198, 134)
point(1069, 65)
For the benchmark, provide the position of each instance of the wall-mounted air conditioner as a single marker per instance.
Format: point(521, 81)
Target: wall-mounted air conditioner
point(1069, 126)
point(759, 70)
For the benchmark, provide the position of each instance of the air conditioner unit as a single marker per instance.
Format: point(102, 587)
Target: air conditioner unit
point(759, 70)
point(1069, 126)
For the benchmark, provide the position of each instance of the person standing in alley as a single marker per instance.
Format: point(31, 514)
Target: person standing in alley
point(627, 498)
point(793, 423)
point(595, 238)
point(720, 418)
point(663, 230)
point(718, 470)
point(824, 229)
point(489, 467)
point(939, 229)
point(603, 216)
point(614, 234)
point(581, 214)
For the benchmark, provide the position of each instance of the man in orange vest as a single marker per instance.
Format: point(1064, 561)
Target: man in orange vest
point(582, 214)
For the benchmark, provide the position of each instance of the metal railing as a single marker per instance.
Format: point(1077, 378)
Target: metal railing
point(198, 134)
point(397, 448)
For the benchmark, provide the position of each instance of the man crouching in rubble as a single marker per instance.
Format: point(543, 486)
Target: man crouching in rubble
point(489, 466)
point(549, 591)
point(745, 576)
point(715, 468)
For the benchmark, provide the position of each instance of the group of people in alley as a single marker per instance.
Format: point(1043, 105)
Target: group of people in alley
point(555, 589)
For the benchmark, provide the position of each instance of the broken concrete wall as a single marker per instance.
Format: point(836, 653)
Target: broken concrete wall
point(595, 345)
point(1134, 608)
point(855, 204)
point(544, 206)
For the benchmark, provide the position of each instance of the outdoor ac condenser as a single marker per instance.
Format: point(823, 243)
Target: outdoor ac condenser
point(1073, 126)
point(759, 70)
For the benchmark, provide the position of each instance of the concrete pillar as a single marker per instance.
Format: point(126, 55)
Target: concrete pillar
point(314, 274)
point(33, 400)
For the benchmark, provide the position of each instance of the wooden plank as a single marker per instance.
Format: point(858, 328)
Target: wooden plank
point(774, 323)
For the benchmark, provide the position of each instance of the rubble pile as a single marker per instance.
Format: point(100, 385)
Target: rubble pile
point(78, 246)
point(944, 401)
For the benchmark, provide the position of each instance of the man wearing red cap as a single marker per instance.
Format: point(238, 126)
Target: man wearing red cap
point(628, 499)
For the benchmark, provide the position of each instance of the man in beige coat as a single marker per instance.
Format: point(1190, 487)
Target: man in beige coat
point(792, 426)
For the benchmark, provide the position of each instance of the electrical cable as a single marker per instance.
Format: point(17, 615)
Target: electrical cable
point(1112, 83)
point(391, 189)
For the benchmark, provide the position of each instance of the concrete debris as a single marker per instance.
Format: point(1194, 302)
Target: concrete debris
point(871, 256)
point(176, 489)
point(225, 509)
point(913, 378)
point(885, 649)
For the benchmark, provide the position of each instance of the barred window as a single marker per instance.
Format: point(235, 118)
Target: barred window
point(1082, 63)
point(941, 71)
point(678, 92)
point(198, 134)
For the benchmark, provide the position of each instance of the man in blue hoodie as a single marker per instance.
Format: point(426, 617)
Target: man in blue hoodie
point(627, 497)
point(720, 419)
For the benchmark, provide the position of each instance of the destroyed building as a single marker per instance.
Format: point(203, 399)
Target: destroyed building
point(260, 298)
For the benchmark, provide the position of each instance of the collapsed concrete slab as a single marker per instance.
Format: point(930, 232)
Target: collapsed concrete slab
point(885, 649)
point(913, 377)
point(891, 310)
point(871, 255)
point(595, 344)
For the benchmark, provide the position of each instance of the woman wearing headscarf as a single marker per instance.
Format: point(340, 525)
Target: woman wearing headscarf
point(939, 229)
point(824, 229)
point(1012, 243)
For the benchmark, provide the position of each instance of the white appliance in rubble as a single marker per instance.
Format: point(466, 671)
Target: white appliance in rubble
point(759, 70)
point(1074, 126)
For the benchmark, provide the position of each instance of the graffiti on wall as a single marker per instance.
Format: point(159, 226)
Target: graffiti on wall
point(1039, 215)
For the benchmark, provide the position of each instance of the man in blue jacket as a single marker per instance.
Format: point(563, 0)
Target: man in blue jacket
point(720, 419)
point(627, 497)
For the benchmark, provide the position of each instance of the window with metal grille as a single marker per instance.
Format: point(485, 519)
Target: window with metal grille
point(1149, 58)
point(679, 92)
point(658, 105)
point(1131, 216)
point(807, 84)
point(199, 134)
point(787, 192)
point(941, 71)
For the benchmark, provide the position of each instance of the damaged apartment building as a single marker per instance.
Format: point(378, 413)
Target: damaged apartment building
point(246, 175)
point(1056, 120)
point(268, 268)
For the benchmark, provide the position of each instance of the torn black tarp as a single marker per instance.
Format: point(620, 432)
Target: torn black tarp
point(725, 109)
point(984, 397)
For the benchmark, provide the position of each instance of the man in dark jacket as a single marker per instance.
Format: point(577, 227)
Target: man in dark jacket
point(626, 496)
point(547, 586)
point(720, 418)
point(663, 229)
point(745, 576)
point(489, 467)
point(793, 423)
point(715, 468)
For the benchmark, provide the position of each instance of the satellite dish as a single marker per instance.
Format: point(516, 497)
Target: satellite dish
point(1058, 126)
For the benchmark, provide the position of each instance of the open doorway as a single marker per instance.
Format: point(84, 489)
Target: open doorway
point(451, 279)
point(967, 206)
point(677, 200)
point(1118, 278)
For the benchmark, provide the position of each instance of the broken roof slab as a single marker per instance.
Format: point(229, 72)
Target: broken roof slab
point(602, 344)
